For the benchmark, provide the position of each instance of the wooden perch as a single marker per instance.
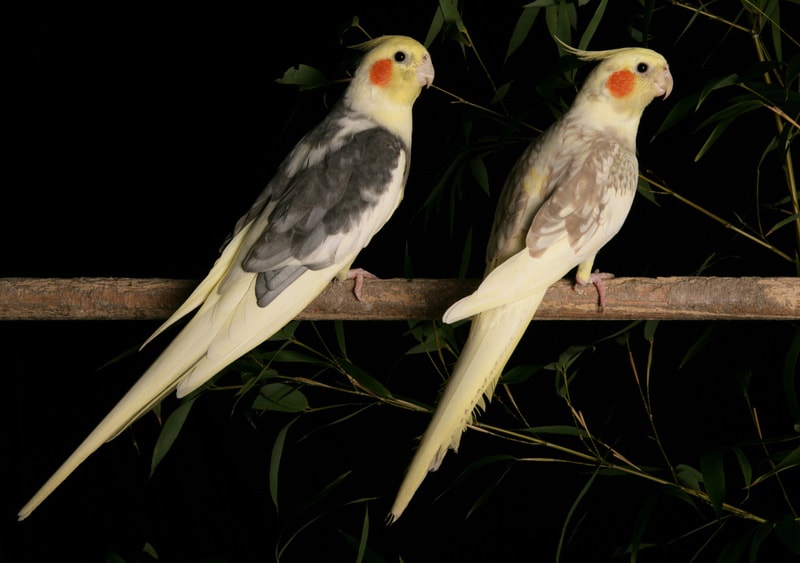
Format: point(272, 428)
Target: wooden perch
point(677, 298)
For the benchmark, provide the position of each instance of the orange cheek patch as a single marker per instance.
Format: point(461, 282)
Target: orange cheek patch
point(621, 83)
point(381, 72)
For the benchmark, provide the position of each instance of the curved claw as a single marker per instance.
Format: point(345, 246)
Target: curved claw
point(358, 274)
point(596, 278)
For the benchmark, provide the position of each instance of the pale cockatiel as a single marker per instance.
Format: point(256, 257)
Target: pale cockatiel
point(331, 194)
point(566, 197)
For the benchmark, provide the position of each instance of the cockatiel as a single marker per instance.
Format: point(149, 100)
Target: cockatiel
point(331, 194)
point(565, 198)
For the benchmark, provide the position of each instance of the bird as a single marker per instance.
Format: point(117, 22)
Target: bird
point(331, 194)
point(566, 196)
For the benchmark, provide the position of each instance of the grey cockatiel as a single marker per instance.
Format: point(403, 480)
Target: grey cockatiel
point(332, 193)
point(566, 197)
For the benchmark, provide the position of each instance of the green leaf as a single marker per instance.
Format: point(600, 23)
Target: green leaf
point(567, 357)
point(680, 110)
point(724, 118)
point(791, 219)
point(793, 69)
point(640, 525)
point(522, 28)
point(714, 478)
point(744, 466)
point(559, 430)
point(571, 512)
point(286, 333)
point(702, 343)
point(362, 545)
point(478, 169)
point(338, 327)
point(518, 374)
point(788, 530)
point(689, 476)
point(559, 18)
point(488, 491)
point(466, 253)
point(294, 357)
point(304, 76)
point(170, 431)
point(502, 91)
point(275, 461)
point(758, 536)
point(790, 371)
point(792, 459)
point(365, 380)
point(743, 376)
point(592, 26)
point(646, 191)
point(716, 84)
point(280, 397)
point(435, 28)
point(650, 330)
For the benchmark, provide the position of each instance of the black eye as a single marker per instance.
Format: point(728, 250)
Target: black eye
point(399, 56)
point(641, 68)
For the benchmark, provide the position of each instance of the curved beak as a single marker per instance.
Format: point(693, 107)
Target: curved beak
point(664, 83)
point(425, 71)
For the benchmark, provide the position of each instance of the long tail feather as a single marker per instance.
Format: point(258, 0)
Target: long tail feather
point(198, 352)
point(492, 338)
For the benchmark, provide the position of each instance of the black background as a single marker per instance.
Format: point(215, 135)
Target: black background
point(139, 135)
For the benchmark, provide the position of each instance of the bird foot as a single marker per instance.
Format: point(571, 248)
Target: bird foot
point(359, 274)
point(596, 278)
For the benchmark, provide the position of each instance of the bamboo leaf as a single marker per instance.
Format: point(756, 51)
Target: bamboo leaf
point(567, 357)
point(716, 84)
point(650, 330)
point(522, 28)
point(788, 220)
point(714, 478)
point(362, 545)
point(466, 254)
point(303, 76)
point(592, 26)
point(558, 430)
point(518, 374)
point(275, 462)
point(169, 432)
point(293, 357)
point(792, 459)
point(365, 380)
point(338, 327)
point(488, 491)
point(744, 466)
point(571, 512)
point(689, 476)
point(724, 118)
point(479, 172)
point(680, 110)
point(788, 530)
point(646, 191)
point(640, 525)
point(280, 397)
point(790, 370)
point(759, 534)
point(435, 28)
point(702, 343)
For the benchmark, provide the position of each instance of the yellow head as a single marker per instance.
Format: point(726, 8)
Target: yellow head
point(388, 80)
point(623, 83)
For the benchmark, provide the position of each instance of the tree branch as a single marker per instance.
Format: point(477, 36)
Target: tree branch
point(676, 298)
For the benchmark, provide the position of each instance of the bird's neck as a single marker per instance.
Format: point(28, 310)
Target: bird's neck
point(617, 120)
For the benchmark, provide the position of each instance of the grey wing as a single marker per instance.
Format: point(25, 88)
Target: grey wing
point(589, 204)
point(312, 211)
point(526, 188)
